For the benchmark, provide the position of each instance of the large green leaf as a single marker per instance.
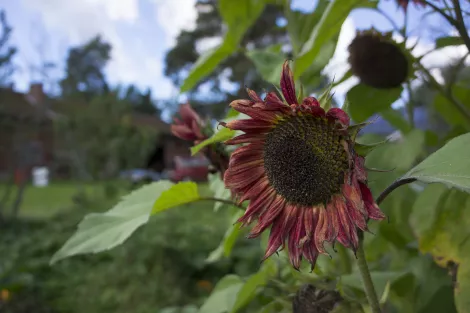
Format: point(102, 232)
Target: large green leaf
point(181, 193)
point(102, 231)
point(221, 135)
point(268, 64)
point(209, 61)
point(396, 120)
point(248, 291)
point(329, 25)
point(238, 16)
point(223, 296)
point(217, 187)
point(445, 235)
point(229, 240)
point(449, 111)
point(449, 165)
point(380, 280)
point(300, 25)
point(365, 101)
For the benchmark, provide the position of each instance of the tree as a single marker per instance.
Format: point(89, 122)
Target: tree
point(100, 147)
point(237, 69)
point(7, 52)
point(141, 102)
point(85, 69)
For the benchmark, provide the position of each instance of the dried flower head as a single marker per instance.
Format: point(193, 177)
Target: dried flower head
point(300, 172)
point(377, 60)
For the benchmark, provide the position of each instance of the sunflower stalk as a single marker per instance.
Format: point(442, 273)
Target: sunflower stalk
point(361, 258)
point(366, 278)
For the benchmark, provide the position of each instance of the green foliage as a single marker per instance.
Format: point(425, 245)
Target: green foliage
point(328, 27)
point(449, 165)
point(103, 231)
point(365, 101)
point(217, 186)
point(441, 218)
point(221, 135)
point(238, 16)
point(224, 295)
point(181, 193)
point(269, 63)
point(98, 147)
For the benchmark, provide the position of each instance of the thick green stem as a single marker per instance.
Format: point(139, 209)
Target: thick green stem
point(366, 278)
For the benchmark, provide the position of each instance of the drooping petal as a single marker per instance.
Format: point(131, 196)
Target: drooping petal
point(287, 84)
point(275, 239)
point(246, 138)
point(263, 115)
point(297, 232)
point(372, 208)
point(249, 124)
point(256, 207)
point(238, 180)
point(268, 217)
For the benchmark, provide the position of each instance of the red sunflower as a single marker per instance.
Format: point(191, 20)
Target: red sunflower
point(300, 172)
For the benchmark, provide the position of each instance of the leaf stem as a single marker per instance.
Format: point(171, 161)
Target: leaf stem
point(229, 202)
point(392, 187)
point(366, 278)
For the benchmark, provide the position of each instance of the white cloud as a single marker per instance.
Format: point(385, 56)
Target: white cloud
point(174, 16)
point(78, 21)
point(338, 64)
point(205, 44)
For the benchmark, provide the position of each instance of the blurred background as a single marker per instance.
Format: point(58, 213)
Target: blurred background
point(88, 91)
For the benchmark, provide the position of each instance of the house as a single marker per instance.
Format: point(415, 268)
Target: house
point(27, 135)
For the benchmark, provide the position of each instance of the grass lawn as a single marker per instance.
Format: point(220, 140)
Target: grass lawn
point(43, 202)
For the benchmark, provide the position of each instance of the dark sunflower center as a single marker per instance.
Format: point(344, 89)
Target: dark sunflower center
point(304, 160)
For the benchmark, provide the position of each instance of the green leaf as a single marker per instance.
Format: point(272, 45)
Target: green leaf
point(449, 165)
point(217, 186)
point(300, 25)
point(449, 41)
point(102, 231)
point(449, 112)
point(424, 213)
point(268, 64)
point(380, 280)
point(238, 16)
point(329, 26)
point(181, 193)
point(365, 101)
point(222, 135)
point(248, 291)
point(229, 240)
point(208, 61)
point(396, 120)
point(447, 239)
point(223, 296)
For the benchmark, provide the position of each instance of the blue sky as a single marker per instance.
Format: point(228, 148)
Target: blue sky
point(141, 31)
